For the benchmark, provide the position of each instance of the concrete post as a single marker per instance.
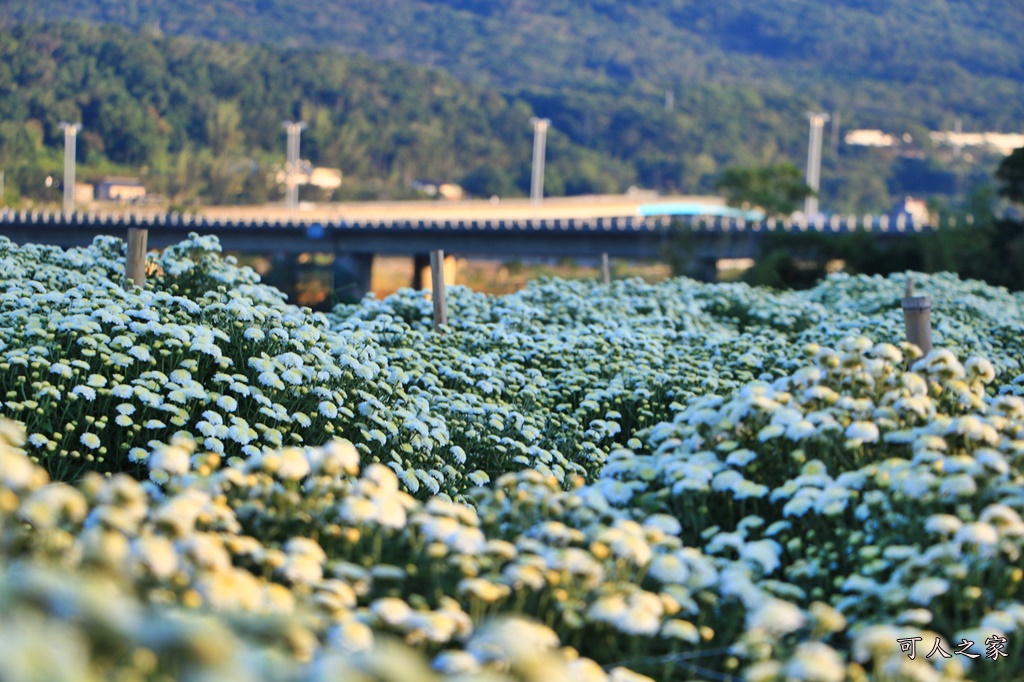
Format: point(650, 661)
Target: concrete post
point(135, 261)
point(438, 289)
point(917, 318)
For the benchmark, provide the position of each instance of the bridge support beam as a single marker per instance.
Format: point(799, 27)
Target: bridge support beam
point(352, 276)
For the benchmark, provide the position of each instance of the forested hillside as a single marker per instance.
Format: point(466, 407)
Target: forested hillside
point(203, 119)
point(927, 59)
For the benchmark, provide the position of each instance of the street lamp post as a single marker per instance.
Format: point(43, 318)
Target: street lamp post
point(70, 144)
point(540, 133)
point(291, 166)
point(818, 120)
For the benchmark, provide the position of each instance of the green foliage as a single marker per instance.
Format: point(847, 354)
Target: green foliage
point(1010, 176)
point(778, 190)
point(988, 250)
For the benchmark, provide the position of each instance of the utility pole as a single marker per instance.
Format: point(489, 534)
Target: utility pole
point(834, 129)
point(291, 166)
point(540, 133)
point(70, 145)
point(818, 120)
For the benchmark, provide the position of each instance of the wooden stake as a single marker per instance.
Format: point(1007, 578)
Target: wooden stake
point(437, 281)
point(917, 318)
point(135, 262)
point(606, 269)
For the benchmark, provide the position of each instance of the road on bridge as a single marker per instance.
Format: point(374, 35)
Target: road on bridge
point(593, 206)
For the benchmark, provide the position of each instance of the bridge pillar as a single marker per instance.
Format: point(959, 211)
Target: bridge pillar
point(352, 276)
point(705, 269)
point(421, 271)
point(283, 274)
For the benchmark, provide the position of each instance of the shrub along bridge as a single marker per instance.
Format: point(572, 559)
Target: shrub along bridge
point(354, 244)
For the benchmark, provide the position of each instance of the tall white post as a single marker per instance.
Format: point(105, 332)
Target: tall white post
point(818, 120)
point(291, 166)
point(540, 133)
point(70, 145)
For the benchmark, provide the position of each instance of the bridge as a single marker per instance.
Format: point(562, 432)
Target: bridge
point(639, 230)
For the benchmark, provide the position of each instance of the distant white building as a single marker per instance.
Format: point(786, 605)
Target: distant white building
point(121, 189)
point(869, 138)
point(1004, 143)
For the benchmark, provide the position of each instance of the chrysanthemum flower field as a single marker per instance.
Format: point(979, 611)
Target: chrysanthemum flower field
point(680, 481)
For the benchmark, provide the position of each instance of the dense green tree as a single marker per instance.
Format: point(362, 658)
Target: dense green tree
point(1010, 176)
point(488, 181)
point(777, 190)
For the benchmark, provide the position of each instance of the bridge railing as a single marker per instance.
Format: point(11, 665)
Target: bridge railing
point(834, 224)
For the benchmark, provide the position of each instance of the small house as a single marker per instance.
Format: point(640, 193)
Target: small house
point(124, 190)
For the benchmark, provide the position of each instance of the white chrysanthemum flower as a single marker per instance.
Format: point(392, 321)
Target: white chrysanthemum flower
point(454, 662)
point(84, 392)
point(122, 391)
point(978, 533)
point(482, 589)
point(815, 662)
point(669, 568)
point(643, 614)
point(227, 403)
point(327, 409)
point(827, 618)
point(125, 408)
point(665, 523)
point(958, 486)
point(350, 637)
point(928, 588)
point(681, 629)
point(865, 432)
point(294, 464)
point(62, 370)
point(607, 609)
point(777, 617)
point(801, 430)
point(90, 440)
point(292, 376)
point(763, 553)
point(763, 671)
point(240, 434)
point(771, 431)
point(943, 524)
point(1004, 518)
point(156, 553)
point(973, 428)
point(391, 610)
point(254, 334)
point(802, 503)
point(919, 617)
point(980, 368)
point(172, 459)
point(726, 480)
